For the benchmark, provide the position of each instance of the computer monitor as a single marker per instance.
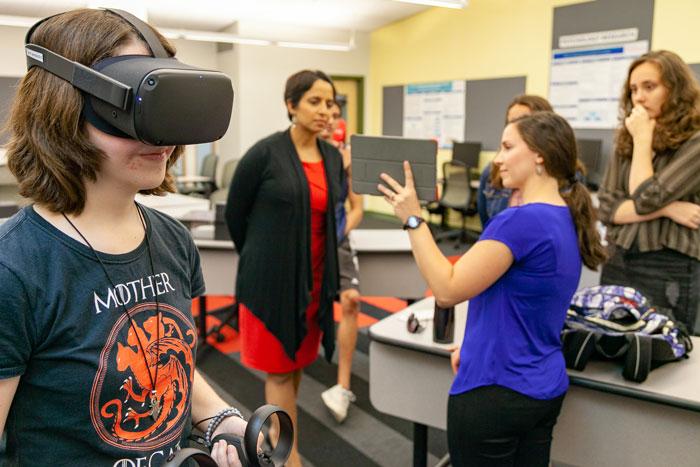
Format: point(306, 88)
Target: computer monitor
point(589, 152)
point(467, 152)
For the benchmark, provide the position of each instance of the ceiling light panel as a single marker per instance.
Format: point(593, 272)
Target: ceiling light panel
point(456, 4)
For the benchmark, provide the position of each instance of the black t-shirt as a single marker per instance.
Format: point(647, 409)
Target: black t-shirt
point(84, 391)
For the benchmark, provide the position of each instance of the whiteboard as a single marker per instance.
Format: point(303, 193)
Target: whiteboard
point(585, 83)
point(435, 111)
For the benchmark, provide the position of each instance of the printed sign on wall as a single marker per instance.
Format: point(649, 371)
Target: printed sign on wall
point(585, 83)
point(436, 111)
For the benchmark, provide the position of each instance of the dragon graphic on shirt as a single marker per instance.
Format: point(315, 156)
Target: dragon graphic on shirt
point(167, 357)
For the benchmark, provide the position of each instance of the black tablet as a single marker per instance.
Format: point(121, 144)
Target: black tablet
point(373, 155)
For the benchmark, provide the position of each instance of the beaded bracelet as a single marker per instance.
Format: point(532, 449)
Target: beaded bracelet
point(216, 421)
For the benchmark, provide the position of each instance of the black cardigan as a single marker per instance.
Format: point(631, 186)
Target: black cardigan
point(268, 214)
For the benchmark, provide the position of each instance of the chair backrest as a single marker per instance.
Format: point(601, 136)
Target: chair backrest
point(209, 165)
point(456, 189)
point(227, 175)
point(221, 195)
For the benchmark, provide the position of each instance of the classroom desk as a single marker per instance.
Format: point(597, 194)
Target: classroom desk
point(385, 261)
point(386, 264)
point(219, 262)
point(605, 420)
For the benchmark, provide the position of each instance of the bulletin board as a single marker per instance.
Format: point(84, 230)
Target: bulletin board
point(484, 102)
point(434, 111)
point(602, 15)
point(585, 82)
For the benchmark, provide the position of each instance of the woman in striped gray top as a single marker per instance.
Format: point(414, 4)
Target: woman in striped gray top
point(650, 198)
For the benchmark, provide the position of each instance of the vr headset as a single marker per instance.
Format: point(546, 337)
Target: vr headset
point(154, 99)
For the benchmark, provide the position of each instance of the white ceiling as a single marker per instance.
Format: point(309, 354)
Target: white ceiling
point(215, 15)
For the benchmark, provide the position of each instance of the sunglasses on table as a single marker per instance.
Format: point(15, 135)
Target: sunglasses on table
point(413, 325)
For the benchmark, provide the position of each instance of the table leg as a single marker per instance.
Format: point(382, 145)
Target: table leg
point(420, 445)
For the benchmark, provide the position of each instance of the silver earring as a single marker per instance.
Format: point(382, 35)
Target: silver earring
point(538, 169)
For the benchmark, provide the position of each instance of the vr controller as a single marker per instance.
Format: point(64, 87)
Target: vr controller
point(247, 447)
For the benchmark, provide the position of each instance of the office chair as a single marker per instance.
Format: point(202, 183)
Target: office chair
point(467, 153)
point(460, 196)
point(203, 184)
point(221, 194)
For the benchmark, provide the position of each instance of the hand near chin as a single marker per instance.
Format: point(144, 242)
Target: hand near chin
point(403, 199)
point(640, 124)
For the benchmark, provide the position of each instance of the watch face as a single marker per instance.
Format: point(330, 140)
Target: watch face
point(413, 222)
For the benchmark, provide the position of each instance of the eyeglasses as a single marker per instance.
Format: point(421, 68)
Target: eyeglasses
point(413, 325)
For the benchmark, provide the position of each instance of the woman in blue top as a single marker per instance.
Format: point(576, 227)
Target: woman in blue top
point(519, 278)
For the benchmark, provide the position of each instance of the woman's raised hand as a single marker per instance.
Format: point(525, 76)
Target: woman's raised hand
point(403, 199)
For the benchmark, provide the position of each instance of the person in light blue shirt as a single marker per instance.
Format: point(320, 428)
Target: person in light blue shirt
point(519, 277)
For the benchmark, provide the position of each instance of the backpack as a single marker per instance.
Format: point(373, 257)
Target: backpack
point(616, 322)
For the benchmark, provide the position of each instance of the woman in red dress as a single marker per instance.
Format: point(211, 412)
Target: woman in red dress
point(280, 213)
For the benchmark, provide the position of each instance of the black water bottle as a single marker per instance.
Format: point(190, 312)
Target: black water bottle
point(443, 324)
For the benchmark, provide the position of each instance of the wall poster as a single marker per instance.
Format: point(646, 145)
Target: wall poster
point(585, 83)
point(435, 110)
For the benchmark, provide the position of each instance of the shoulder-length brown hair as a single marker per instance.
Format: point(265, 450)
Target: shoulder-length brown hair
point(49, 151)
point(551, 136)
point(680, 114)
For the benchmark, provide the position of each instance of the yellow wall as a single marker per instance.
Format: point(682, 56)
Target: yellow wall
point(488, 39)
point(676, 27)
point(494, 39)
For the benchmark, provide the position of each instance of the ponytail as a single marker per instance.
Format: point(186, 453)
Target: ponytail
point(578, 199)
point(549, 135)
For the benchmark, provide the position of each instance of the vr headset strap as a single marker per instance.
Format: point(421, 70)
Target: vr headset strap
point(84, 78)
point(144, 30)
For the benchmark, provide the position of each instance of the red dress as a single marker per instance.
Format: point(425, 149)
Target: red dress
point(259, 348)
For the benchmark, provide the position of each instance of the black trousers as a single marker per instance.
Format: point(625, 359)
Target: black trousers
point(496, 426)
point(671, 280)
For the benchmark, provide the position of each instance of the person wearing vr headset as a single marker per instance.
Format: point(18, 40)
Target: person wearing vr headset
point(288, 277)
point(98, 344)
point(519, 279)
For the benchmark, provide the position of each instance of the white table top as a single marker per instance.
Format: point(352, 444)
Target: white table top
point(203, 236)
point(389, 240)
point(174, 204)
point(193, 179)
point(206, 216)
point(676, 383)
point(392, 330)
